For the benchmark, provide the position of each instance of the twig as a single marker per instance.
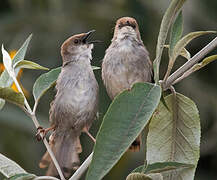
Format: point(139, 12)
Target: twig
point(45, 178)
point(82, 168)
point(197, 57)
point(36, 123)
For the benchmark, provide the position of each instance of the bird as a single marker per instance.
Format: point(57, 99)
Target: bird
point(75, 105)
point(126, 62)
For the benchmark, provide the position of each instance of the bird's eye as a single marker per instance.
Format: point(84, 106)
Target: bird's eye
point(76, 41)
point(119, 26)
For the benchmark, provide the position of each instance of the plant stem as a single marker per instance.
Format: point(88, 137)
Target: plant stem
point(196, 58)
point(82, 168)
point(36, 123)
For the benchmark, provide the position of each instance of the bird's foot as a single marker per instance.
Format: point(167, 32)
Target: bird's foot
point(42, 132)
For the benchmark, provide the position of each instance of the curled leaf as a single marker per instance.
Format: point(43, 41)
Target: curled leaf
point(204, 63)
point(28, 65)
point(185, 40)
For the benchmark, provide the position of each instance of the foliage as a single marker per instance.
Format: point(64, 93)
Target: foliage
point(173, 140)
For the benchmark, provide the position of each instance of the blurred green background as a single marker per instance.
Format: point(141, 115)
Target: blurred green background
point(52, 21)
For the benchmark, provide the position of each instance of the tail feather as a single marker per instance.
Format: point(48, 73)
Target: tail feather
point(66, 147)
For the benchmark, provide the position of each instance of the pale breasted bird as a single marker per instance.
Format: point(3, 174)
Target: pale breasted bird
point(126, 62)
point(75, 105)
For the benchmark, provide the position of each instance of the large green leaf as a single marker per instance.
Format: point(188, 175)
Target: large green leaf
point(126, 117)
point(175, 136)
point(44, 82)
point(9, 168)
point(28, 65)
point(10, 95)
point(168, 17)
point(5, 79)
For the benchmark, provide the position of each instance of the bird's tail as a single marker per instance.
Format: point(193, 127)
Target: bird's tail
point(135, 146)
point(66, 148)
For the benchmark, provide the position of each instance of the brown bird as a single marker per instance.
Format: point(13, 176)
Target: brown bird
point(75, 105)
point(126, 62)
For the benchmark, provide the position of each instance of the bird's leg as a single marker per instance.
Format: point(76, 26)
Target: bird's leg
point(88, 133)
point(43, 131)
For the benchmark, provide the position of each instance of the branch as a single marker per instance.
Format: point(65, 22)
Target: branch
point(195, 59)
point(82, 168)
point(36, 123)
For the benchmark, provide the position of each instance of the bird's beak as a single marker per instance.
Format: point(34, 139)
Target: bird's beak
point(86, 38)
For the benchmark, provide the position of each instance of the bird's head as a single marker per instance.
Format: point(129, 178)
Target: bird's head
point(76, 46)
point(126, 27)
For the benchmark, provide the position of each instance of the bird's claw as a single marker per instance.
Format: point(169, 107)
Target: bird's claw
point(38, 135)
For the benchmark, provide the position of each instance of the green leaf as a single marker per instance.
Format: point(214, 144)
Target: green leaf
point(206, 61)
point(126, 117)
point(45, 82)
point(28, 65)
point(176, 32)
point(179, 138)
point(23, 176)
point(20, 55)
point(10, 95)
point(9, 168)
point(5, 79)
point(184, 41)
point(168, 17)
